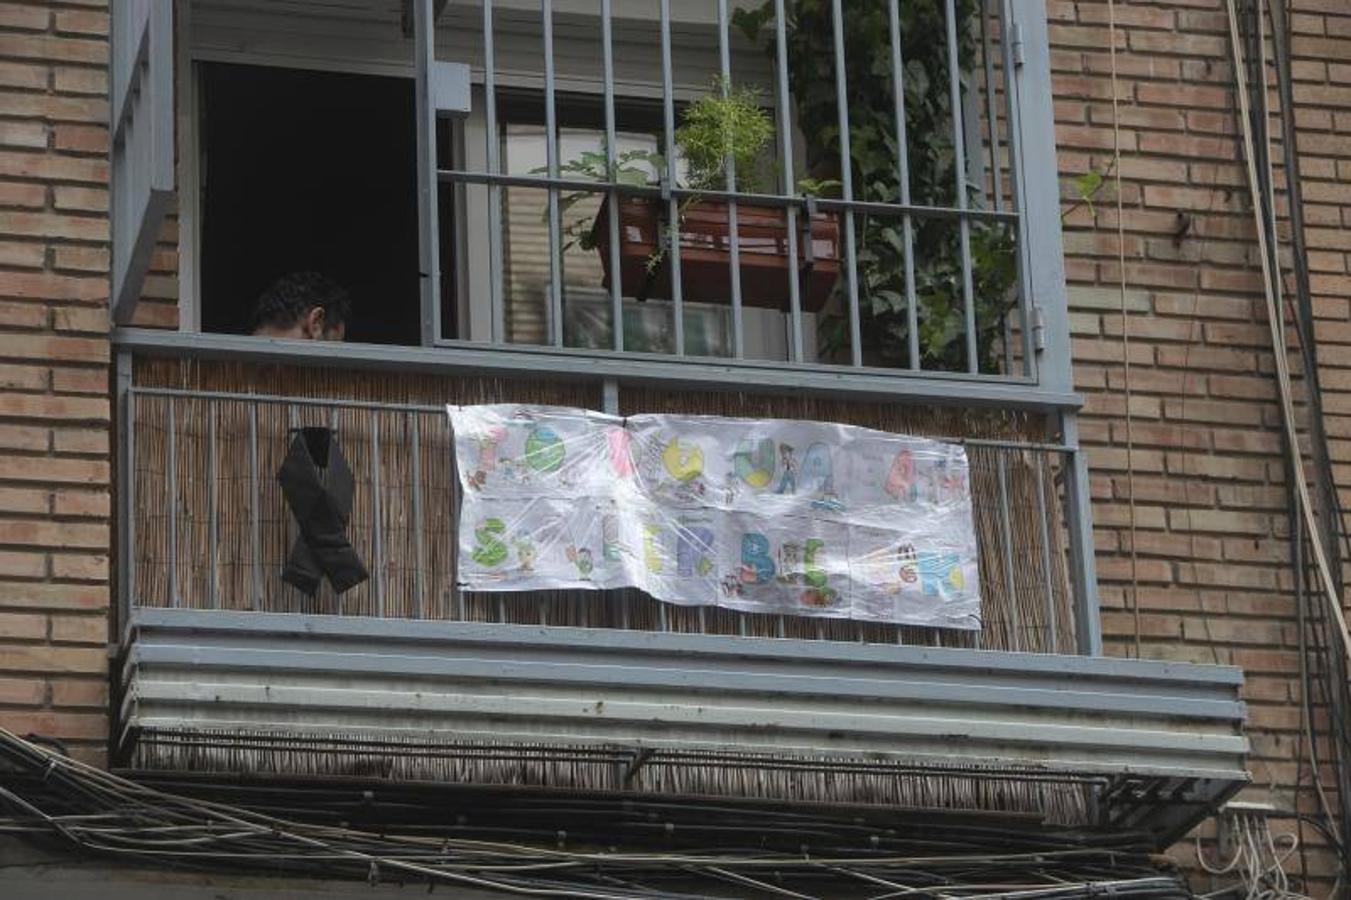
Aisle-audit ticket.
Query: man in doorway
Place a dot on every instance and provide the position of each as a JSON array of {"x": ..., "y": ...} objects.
[{"x": 302, "y": 306}]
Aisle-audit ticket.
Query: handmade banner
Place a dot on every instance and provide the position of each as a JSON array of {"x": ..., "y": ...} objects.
[{"x": 759, "y": 515}]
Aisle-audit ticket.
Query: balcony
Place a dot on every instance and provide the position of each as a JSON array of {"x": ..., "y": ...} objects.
[
  {"x": 921, "y": 294},
  {"x": 225, "y": 665}
]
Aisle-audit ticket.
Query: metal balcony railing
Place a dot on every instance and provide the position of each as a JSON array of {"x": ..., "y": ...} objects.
[
  {"x": 934, "y": 121},
  {"x": 209, "y": 529},
  {"x": 900, "y": 200}
]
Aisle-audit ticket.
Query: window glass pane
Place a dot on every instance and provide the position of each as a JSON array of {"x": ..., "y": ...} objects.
[{"x": 648, "y": 325}]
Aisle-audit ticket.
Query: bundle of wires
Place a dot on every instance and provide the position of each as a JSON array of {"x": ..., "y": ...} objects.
[
  {"x": 47, "y": 796},
  {"x": 1323, "y": 642},
  {"x": 1257, "y": 860}
]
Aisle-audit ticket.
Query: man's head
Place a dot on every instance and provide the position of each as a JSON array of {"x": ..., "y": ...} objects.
[{"x": 302, "y": 305}]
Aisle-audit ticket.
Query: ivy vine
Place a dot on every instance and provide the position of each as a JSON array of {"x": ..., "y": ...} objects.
[{"x": 879, "y": 240}]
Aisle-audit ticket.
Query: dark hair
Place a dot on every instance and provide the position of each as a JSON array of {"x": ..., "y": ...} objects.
[{"x": 290, "y": 297}]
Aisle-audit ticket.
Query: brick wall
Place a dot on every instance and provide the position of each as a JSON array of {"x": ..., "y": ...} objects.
[
  {"x": 1213, "y": 571},
  {"x": 54, "y": 407},
  {"x": 1213, "y": 574}
]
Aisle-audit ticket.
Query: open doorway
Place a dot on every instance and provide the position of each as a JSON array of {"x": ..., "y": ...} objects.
[{"x": 304, "y": 170}]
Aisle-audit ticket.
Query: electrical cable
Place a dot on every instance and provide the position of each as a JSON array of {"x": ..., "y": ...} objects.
[
  {"x": 1323, "y": 536},
  {"x": 1125, "y": 325},
  {"x": 1332, "y": 670},
  {"x": 1276, "y": 325},
  {"x": 43, "y": 794}
]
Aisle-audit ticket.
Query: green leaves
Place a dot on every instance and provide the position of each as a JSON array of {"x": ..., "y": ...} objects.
[
  {"x": 726, "y": 124},
  {"x": 1087, "y": 186},
  {"x": 880, "y": 241}
]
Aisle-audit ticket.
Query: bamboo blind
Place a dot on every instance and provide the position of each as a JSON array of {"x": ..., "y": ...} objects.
[{"x": 182, "y": 559}]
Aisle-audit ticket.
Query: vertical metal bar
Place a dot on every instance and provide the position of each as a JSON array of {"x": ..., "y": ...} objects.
[
  {"x": 126, "y": 495},
  {"x": 609, "y": 393},
  {"x": 789, "y": 187},
  {"x": 847, "y": 185},
  {"x": 1078, "y": 516},
  {"x": 377, "y": 548},
  {"x": 293, "y": 533},
  {"x": 429, "y": 244},
  {"x": 499, "y": 327},
  {"x": 212, "y": 549},
  {"x": 1052, "y": 634},
  {"x": 991, "y": 107},
  {"x": 333, "y": 427},
  {"x": 1006, "y": 533},
  {"x": 419, "y": 583},
  {"x": 616, "y": 301},
  {"x": 959, "y": 176},
  {"x": 1013, "y": 116},
  {"x": 171, "y": 489},
  {"x": 903, "y": 177},
  {"x": 733, "y": 232},
  {"x": 551, "y": 158},
  {"x": 672, "y": 205},
  {"x": 255, "y": 514}
]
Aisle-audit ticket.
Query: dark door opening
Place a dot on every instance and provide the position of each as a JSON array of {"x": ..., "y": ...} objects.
[{"x": 316, "y": 171}]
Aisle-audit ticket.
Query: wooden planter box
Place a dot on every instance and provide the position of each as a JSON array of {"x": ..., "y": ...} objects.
[{"x": 705, "y": 253}]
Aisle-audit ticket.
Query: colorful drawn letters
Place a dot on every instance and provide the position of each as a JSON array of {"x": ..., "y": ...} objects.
[{"x": 784, "y": 517}]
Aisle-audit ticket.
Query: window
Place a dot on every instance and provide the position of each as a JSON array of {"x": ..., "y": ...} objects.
[
  {"x": 309, "y": 170},
  {"x": 648, "y": 322}
]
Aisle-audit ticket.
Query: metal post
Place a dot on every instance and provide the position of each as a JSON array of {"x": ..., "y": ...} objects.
[
  {"x": 1032, "y": 144},
  {"x": 1015, "y": 128},
  {"x": 1083, "y": 571},
  {"x": 171, "y": 489},
  {"x": 991, "y": 107},
  {"x": 903, "y": 175},
  {"x": 611, "y": 168},
  {"x": 1006, "y": 533},
  {"x": 498, "y": 303},
  {"x": 255, "y": 514},
  {"x": 126, "y": 494},
  {"x": 789, "y": 186},
  {"x": 551, "y": 158},
  {"x": 419, "y": 584},
  {"x": 733, "y": 235},
  {"x": 847, "y": 185},
  {"x": 377, "y": 560},
  {"x": 1053, "y": 636},
  {"x": 429, "y": 245},
  {"x": 669, "y": 180},
  {"x": 959, "y": 174},
  {"x": 212, "y": 548}
]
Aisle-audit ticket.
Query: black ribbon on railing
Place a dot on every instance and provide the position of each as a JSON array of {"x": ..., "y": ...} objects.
[{"x": 318, "y": 485}]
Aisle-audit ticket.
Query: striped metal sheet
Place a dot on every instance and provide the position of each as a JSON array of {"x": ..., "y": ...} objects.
[{"x": 1163, "y": 739}]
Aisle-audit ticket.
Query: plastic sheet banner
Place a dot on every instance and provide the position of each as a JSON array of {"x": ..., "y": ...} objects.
[{"x": 757, "y": 515}]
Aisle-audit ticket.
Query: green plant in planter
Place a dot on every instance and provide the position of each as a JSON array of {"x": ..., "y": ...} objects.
[
  {"x": 879, "y": 241},
  {"x": 592, "y": 165},
  {"x": 726, "y": 124}
]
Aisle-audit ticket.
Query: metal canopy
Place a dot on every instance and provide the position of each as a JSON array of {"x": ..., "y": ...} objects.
[{"x": 1159, "y": 743}]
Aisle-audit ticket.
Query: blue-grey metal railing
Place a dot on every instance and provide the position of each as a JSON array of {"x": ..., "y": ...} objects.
[
  {"x": 207, "y": 527},
  {"x": 1004, "y": 45}
]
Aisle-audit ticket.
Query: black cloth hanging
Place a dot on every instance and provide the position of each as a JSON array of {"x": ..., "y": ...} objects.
[{"x": 318, "y": 484}]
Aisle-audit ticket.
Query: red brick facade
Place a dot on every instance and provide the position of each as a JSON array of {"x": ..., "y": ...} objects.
[
  {"x": 1213, "y": 554},
  {"x": 1211, "y": 506},
  {"x": 54, "y": 406}
]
